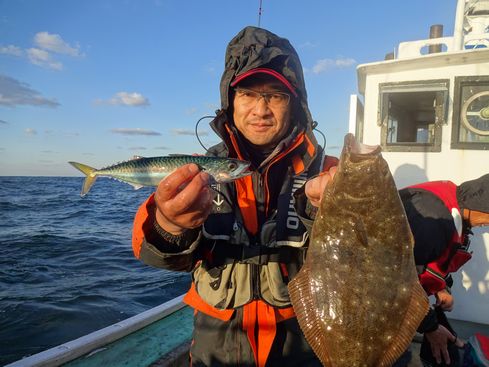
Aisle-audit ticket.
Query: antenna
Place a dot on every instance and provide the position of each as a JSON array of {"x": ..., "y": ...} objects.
[{"x": 259, "y": 14}]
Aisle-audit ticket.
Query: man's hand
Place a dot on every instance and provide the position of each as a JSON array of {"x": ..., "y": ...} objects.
[
  {"x": 444, "y": 300},
  {"x": 315, "y": 187},
  {"x": 439, "y": 340},
  {"x": 183, "y": 199}
]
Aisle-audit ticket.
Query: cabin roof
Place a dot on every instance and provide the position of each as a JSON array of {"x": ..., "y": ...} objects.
[{"x": 429, "y": 61}]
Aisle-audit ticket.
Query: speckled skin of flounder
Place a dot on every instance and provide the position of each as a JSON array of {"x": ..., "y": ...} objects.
[{"x": 357, "y": 297}]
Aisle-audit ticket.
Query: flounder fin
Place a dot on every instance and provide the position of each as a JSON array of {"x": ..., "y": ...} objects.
[
  {"x": 304, "y": 306},
  {"x": 416, "y": 311}
]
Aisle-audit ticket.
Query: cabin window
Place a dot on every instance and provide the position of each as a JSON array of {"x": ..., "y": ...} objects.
[
  {"x": 471, "y": 113},
  {"x": 411, "y": 115}
]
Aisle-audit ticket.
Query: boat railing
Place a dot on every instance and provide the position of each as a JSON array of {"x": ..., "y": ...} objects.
[
  {"x": 419, "y": 48},
  {"x": 94, "y": 341},
  {"x": 415, "y": 48},
  {"x": 471, "y": 31}
]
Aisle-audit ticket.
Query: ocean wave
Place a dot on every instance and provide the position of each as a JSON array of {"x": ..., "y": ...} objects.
[{"x": 67, "y": 266}]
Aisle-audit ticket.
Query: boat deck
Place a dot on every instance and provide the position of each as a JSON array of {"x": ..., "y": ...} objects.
[
  {"x": 465, "y": 329},
  {"x": 167, "y": 337},
  {"x": 164, "y": 342}
]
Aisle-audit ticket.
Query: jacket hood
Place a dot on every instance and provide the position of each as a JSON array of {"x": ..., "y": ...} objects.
[{"x": 255, "y": 48}]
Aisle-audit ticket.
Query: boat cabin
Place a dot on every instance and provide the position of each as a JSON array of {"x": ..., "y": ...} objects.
[{"x": 427, "y": 105}]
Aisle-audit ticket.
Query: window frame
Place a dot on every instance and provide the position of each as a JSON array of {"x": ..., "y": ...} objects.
[
  {"x": 459, "y": 83},
  {"x": 440, "y": 87}
]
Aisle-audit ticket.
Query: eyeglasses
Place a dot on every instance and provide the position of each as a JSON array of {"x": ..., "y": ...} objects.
[{"x": 250, "y": 97}]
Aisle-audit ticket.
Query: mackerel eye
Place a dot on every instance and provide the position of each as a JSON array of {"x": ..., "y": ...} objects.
[{"x": 232, "y": 166}]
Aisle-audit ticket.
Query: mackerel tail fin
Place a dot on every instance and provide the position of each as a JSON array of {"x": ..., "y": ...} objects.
[{"x": 87, "y": 171}]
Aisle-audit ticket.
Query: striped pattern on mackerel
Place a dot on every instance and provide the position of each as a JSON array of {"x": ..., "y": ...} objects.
[{"x": 149, "y": 171}]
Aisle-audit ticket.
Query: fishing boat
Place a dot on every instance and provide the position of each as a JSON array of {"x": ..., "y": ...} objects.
[
  {"x": 158, "y": 337},
  {"x": 427, "y": 105}
]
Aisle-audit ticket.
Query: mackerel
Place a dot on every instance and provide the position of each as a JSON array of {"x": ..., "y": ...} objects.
[{"x": 149, "y": 171}]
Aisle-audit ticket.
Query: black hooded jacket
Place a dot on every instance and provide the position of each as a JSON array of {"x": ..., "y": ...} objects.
[
  {"x": 254, "y": 48},
  {"x": 239, "y": 242},
  {"x": 253, "y": 241},
  {"x": 258, "y": 48}
]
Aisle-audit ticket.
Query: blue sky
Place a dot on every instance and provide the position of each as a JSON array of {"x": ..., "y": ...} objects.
[{"x": 99, "y": 81}]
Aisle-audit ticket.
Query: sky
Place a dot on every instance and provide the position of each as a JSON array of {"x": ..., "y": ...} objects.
[{"x": 101, "y": 81}]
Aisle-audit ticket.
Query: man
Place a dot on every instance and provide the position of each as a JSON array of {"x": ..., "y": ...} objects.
[
  {"x": 244, "y": 248},
  {"x": 441, "y": 216}
]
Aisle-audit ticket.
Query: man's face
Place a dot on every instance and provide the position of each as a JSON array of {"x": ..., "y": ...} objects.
[{"x": 262, "y": 123}]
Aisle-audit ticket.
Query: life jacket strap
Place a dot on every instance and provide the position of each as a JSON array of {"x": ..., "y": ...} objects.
[
  {"x": 224, "y": 253},
  {"x": 193, "y": 299},
  {"x": 260, "y": 324}
]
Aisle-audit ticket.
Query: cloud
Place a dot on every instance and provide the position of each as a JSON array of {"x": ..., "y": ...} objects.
[
  {"x": 11, "y": 50},
  {"x": 30, "y": 131},
  {"x": 3, "y": 122},
  {"x": 325, "y": 65},
  {"x": 308, "y": 45},
  {"x": 137, "y": 148},
  {"x": 161, "y": 148},
  {"x": 188, "y": 132},
  {"x": 45, "y": 46},
  {"x": 126, "y": 99},
  {"x": 137, "y": 131},
  {"x": 344, "y": 63},
  {"x": 43, "y": 58},
  {"x": 72, "y": 134},
  {"x": 14, "y": 93},
  {"x": 54, "y": 43}
]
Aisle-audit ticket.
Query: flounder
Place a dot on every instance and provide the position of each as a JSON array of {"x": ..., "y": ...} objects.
[{"x": 357, "y": 297}]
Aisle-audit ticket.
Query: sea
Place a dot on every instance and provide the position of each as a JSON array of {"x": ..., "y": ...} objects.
[{"x": 66, "y": 262}]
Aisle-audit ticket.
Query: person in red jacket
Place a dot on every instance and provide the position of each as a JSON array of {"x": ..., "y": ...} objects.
[
  {"x": 243, "y": 248},
  {"x": 441, "y": 215}
]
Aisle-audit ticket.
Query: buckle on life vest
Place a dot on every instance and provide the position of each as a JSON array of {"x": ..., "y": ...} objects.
[
  {"x": 432, "y": 281},
  {"x": 224, "y": 253}
]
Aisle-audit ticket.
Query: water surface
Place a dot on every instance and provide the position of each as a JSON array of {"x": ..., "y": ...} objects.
[{"x": 66, "y": 263}]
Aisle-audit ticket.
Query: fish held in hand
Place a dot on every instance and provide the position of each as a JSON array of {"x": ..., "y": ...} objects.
[
  {"x": 149, "y": 171},
  {"x": 357, "y": 298}
]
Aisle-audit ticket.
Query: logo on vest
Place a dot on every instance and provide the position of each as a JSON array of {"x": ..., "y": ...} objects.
[
  {"x": 218, "y": 199},
  {"x": 293, "y": 220}
]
